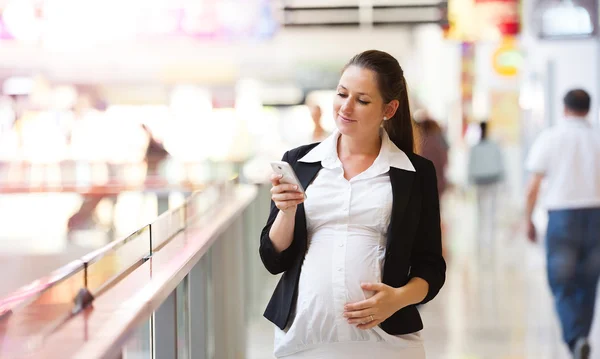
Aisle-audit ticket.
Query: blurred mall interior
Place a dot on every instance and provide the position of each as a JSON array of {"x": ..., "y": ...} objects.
[{"x": 136, "y": 136}]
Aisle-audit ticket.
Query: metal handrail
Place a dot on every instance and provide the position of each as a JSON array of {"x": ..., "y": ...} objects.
[
  {"x": 30, "y": 292},
  {"x": 35, "y": 289}
]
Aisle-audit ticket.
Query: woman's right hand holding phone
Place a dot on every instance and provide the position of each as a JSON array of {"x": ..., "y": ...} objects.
[{"x": 286, "y": 196}]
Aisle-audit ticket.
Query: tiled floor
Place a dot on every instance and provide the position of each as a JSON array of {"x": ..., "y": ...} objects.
[{"x": 496, "y": 306}]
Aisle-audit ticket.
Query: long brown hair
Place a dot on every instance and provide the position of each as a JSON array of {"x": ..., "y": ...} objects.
[{"x": 392, "y": 85}]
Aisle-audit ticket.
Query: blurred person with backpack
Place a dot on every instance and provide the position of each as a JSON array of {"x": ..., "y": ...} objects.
[{"x": 486, "y": 172}]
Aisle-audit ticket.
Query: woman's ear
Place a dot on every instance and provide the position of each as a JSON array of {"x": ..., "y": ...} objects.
[{"x": 391, "y": 108}]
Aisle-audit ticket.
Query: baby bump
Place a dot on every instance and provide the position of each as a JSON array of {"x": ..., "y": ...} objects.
[{"x": 337, "y": 269}]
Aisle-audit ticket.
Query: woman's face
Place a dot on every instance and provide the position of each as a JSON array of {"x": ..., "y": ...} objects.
[{"x": 358, "y": 107}]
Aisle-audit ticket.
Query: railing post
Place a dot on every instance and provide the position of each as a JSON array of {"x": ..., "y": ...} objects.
[
  {"x": 228, "y": 281},
  {"x": 184, "y": 338},
  {"x": 165, "y": 329},
  {"x": 201, "y": 330},
  {"x": 238, "y": 297}
]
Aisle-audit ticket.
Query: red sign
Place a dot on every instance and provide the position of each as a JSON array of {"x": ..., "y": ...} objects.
[{"x": 503, "y": 14}]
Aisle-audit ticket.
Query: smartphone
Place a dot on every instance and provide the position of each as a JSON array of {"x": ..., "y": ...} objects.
[{"x": 289, "y": 175}]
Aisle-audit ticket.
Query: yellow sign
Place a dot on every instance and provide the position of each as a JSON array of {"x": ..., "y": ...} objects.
[{"x": 507, "y": 59}]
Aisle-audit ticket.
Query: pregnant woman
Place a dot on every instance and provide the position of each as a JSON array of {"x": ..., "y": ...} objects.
[{"x": 364, "y": 247}]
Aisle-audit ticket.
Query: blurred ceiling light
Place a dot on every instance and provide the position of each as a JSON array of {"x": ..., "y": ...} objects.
[
  {"x": 235, "y": 15},
  {"x": 565, "y": 19},
  {"x": 527, "y": 93},
  {"x": 249, "y": 104},
  {"x": 197, "y": 18},
  {"x": 247, "y": 95},
  {"x": 532, "y": 94},
  {"x": 17, "y": 85},
  {"x": 156, "y": 17},
  {"x": 190, "y": 102},
  {"x": 20, "y": 19},
  {"x": 95, "y": 22}
]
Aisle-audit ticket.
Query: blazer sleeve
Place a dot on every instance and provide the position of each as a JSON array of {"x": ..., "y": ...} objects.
[
  {"x": 427, "y": 261},
  {"x": 276, "y": 262}
]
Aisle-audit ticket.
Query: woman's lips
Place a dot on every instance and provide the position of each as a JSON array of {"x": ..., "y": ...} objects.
[{"x": 345, "y": 119}]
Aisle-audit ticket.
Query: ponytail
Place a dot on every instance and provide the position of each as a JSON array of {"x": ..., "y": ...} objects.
[{"x": 399, "y": 127}]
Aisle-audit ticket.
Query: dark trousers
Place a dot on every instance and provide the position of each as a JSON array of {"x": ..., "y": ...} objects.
[{"x": 573, "y": 264}]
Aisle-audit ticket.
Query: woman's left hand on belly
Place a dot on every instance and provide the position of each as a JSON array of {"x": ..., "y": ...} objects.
[{"x": 371, "y": 312}]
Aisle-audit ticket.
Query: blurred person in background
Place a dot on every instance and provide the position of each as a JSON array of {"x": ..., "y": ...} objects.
[
  {"x": 155, "y": 153},
  {"x": 486, "y": 172},
  {"x": 154, "y": 156},
  {"x": 87, "y": 146},
  {"x": 567, "y": 158},
  {"x": 319, "y": 133},
  {"x": 371, "y": 213},
  {"x": 432, "y": 145}
]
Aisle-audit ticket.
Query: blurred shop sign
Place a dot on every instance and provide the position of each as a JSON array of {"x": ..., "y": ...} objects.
[
  {"x": 507, "y": 58},
  {"x": 75, "y": 22},
  {"x": 474, "y": 20},
  {"x": 302, "y": 13},
  {"x": 565, "y": 19},
  {"x": 502, "y": 14}
]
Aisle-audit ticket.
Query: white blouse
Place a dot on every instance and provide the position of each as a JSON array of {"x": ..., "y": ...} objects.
[{"x": 347, "y": 224}]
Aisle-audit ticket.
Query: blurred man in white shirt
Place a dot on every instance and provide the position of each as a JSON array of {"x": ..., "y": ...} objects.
[{"x": 567, "y": 158}]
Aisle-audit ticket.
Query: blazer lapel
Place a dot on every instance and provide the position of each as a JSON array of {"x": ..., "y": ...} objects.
[
  {"x": 402, "y": 182},
  {"x": 306, "y": 173}
]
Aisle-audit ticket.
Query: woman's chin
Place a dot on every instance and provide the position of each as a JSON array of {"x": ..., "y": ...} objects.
[{"x": 347, "y": 129}]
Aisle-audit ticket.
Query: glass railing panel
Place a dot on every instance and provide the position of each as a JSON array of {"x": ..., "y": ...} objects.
[
  {"x": 166, "y": 226},
  {"x": 201, "y": 203},
  {"x": 108, "y": 263}
]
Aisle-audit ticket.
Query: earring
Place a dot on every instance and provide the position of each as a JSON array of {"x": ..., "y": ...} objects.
[{"x": 385, "y": 118}]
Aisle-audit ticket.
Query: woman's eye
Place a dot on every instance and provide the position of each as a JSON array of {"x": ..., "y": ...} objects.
[
  {"x": 363, "y": 102},
  {"x": 342, "y": 95}
]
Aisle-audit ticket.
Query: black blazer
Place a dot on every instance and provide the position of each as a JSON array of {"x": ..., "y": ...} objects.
[{"x": 413, "y": 249}]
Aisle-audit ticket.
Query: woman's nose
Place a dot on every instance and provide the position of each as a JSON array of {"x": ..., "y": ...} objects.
[{"x": 346, "y": 106}]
